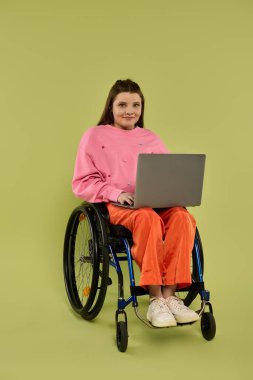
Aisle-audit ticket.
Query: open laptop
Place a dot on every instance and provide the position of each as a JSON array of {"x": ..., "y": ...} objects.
[{"x": 168, "y": 180}]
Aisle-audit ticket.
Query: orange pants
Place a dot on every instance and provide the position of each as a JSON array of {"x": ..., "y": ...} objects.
[{"x": 162, "y": 242}]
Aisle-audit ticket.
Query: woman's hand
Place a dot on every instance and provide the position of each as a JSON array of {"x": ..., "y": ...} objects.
[{"x": 126, "y": 198}]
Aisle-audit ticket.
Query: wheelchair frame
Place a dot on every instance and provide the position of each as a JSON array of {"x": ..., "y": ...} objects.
[{"x": 107, "y": 245}]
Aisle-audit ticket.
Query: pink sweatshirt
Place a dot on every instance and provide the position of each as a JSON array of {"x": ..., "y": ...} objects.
[{"x": 106, "y": 161}]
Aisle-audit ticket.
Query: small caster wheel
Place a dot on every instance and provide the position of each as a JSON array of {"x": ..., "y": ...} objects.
[
  {"x": 208, "y": 326},
  {"x": 121, "y": 336}
]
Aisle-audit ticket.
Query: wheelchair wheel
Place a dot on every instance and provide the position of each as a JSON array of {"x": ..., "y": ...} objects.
[
  {"x": 189, "y": 297},
  {"x": 121, "y": 336},
  {"x": 208, "y": 326},
  {"x": 85, "y": 263}
]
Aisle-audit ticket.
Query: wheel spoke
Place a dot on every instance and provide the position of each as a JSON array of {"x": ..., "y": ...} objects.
[{"x": 84, "y": 268}]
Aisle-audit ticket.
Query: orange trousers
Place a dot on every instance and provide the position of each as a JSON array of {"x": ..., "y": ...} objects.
[{"x": 162, "y": 242}]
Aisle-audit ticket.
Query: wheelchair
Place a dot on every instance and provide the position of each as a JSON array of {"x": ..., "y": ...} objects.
[{"x": 92, "y": 245}]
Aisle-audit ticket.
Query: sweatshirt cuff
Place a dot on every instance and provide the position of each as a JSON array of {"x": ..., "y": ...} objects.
[{"x": 114, "y": 194}]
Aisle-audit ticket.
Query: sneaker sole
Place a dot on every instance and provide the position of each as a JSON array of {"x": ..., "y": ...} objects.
[
  {"x": 188, "y": 319},
  {"x": 163, "y": 323}
]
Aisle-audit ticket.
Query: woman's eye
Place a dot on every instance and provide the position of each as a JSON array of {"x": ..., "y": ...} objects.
[{"x": 136, "y": 105}]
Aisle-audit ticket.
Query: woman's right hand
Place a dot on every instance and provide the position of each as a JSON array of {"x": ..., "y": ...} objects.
[{"x": 126, "y": 198}]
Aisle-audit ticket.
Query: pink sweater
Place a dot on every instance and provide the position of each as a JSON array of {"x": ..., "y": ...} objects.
[{"x": 106, "y": 161}]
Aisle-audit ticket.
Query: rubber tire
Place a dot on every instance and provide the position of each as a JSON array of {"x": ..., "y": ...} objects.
[
  {"x": 99, "y": 260},
  {"x": 208, "y": 326},
  {"x": 121, "y": 336}
]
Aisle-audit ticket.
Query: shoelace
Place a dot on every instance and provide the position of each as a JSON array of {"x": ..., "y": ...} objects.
[
  {"x": 178, "y": 304},
  {"x": 160, "y": 304}
]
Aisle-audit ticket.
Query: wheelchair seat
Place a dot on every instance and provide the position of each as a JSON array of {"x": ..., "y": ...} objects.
[{"x": 92, "y": 245}]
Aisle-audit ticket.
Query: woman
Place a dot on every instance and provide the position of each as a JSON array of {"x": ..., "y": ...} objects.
[{"x": 105, "y": 171}]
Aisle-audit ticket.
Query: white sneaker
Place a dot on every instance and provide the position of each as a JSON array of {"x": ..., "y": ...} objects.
[
  {"x": 159, "y": 314},
  {"x": 181, "y": 312}
]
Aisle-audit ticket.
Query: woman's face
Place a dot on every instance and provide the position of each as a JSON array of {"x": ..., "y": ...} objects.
[{"x": 126, "y": 110}]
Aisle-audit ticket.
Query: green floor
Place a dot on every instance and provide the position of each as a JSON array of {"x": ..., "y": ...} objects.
[{"x": 42, "y": 337}]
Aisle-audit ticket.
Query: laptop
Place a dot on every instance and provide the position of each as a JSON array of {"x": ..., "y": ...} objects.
[{"x": 168, "y": 180}]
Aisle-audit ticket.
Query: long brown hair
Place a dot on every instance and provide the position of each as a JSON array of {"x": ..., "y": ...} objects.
[{"x": 121, "y": 86}]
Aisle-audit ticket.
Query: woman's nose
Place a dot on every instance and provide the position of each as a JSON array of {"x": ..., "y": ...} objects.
[{"x": 129, "y": 111}]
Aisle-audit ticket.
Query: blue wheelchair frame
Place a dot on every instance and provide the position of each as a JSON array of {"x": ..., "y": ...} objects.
[
  {"x": 137, "y": 290},
  {"x": 108, "y": 245}
]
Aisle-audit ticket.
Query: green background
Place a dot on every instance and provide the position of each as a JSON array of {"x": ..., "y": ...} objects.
[{"x": 58, "y": 59}]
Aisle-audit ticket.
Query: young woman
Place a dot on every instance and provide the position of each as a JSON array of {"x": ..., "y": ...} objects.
[{"x": 105, "y": 171}]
